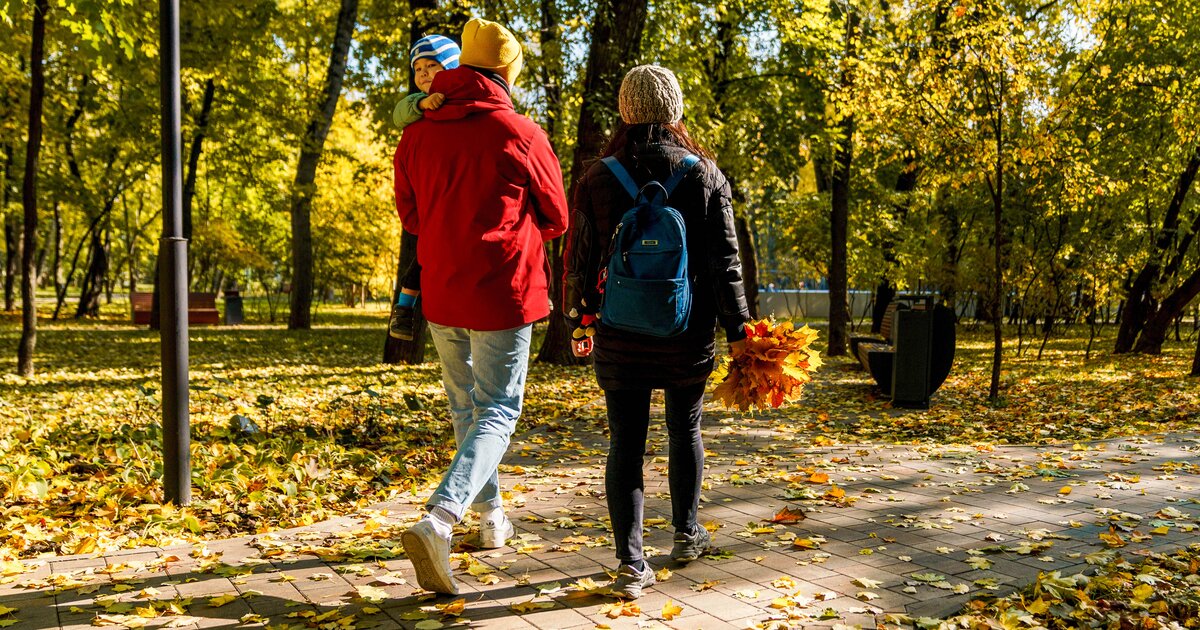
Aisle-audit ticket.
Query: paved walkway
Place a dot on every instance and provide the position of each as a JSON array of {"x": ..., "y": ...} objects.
[{"x": 916, "y": 530}]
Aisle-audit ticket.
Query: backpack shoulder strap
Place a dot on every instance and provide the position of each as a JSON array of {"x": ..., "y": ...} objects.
[
  {"x": 622, "y": 176},
  {"x": 689, "y": 162}
]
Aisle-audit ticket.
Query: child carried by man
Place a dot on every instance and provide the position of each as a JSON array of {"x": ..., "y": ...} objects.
[{"x": 429, "y": 56}]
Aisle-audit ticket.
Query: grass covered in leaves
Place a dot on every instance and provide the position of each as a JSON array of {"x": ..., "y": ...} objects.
[
  {"x": 1156, "y": 591},
  {"x": 1062, "y": 396},
  {"x": 80, "y": 444}
]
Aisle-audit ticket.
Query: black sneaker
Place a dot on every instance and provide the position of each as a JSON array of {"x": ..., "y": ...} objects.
[
  {"x": 402, "y": 323},
  {"x": 688, "y": 547},
  {"x": 630, "y": 581}
]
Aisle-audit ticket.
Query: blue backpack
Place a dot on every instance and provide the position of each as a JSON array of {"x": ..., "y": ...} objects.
[{"x": 645, "y": 284}]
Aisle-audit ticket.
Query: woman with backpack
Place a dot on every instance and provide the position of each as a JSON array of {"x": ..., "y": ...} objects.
[{"x": 627, "y": 285}]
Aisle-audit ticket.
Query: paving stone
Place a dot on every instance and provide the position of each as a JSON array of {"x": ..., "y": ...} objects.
[
  {"x": 206, "y": 587},
  {"x": 722, "y": 604},
  {"x": 937, "y": 607},
  {"x": 930, "y": 504}
]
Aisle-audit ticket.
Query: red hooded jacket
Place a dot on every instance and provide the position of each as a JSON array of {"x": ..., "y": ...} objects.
[{"x": 481, "y": 186}]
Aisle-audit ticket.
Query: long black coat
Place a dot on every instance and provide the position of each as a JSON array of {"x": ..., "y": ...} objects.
[{"x": 625, "y": 360}]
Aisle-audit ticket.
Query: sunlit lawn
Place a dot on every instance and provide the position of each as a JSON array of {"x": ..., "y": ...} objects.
[{"x": 80, "y": 443}]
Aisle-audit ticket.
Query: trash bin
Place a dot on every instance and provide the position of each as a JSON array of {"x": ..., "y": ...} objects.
[
  {"x": 233, "y": 307},
  {"x": 912, "y": 340}
]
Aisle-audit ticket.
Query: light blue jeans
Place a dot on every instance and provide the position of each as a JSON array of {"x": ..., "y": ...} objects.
[{"x": 483, "y": 372}]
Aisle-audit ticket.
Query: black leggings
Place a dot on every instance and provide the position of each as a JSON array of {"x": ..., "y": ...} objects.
[{"x": 628, "y": 422}]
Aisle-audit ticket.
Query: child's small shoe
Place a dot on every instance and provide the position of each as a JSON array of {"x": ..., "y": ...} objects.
[{"x": 402, "y": 323}]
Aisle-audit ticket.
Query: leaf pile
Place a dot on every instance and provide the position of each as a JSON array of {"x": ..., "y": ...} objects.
[
  {"x": 1159, "y": 591},
  {"x": 771, "y": 369}
]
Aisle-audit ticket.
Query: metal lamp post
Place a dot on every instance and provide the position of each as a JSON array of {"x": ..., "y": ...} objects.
[{"x": 177, "y": 464}]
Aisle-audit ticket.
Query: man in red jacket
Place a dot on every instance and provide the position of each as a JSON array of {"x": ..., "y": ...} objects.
[{"x": 481, "y": 186}]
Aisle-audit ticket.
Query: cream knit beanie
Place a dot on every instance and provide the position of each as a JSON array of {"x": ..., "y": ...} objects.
[{"x": 650, "y": 94}]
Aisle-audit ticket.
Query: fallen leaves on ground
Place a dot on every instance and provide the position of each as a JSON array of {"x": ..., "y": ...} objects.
[
  {"x": 1155, "y": 591},
  {"x": 286, "y": 431}
]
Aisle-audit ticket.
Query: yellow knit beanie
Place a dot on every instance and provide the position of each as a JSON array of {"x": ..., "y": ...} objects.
[{"x": 489, "y": 46}]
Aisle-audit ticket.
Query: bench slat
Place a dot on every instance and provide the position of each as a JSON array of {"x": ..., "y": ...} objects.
[{"x": 202, "y": 308}]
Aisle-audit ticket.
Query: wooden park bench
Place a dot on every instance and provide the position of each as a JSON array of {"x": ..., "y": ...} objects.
[
  {"x": 877, "y": 355},
  {"x": 202, "y": 308}
]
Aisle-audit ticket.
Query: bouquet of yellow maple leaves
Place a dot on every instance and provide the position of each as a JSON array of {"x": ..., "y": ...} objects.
[{"x": 773, "y": 367}]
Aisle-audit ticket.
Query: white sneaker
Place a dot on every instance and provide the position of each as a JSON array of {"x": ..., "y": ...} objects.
[
  {"x": 630, "y": 581},
  {"x": 493, "y": 534},
  {"x": 430, "y": 556}
]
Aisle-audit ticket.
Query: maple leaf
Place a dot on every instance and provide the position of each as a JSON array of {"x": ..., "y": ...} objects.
[
  {"x": 455, "y": 607},
  {"x": 615, "y": 610},
  {"x": 1038, "y": 606},
  {"x": 928, "y": 577},
  {"x": 530, "y": 606},
  {"x": 783, "y": 583},
  {"x": 221, "y": 600},
  {"x": 670, "y": 610},
  {"x": 1112, "y": 538},
  {"x": 371, "y": 594},
  {"x": 978, "y": 563}
]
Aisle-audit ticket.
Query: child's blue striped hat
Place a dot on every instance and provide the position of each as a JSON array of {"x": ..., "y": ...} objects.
[{"x": 438, "y": 48}]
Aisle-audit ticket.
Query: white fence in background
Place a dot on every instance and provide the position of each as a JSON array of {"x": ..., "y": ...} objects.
[
  {"x": 808, "y": 304},
  {"x": 814, "y": 304}
]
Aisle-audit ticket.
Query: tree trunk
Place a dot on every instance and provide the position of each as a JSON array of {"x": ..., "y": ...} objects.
[
  {"x": 839, "y": 303},
  {"x": 12, "y": 258},
  {"x": 616, "y": 43},
  {"x": 885, "y": 292},
  {"x": 89, "y": 295},
  {"x": 1159, "y": 323},
  {"x": 11, "y": 232},
  {"x": 58, "y": 250},
  {"x": 108, "y": 281},
  {"x": 556, "y": 344},
  {"x": 188, "y": 193},
  {"x": 745, "y": 237},
  {"x": 411, "y": 352},
  {"x": 37, "y": 92},
  {"x": 312, "y": 145},
  {"x": 839, "y": 214},
  {"x": 93, "y": 228},
  {"x": 130, "y": 252},
  {"x": 552, "y": 71},
  {"x": 719, "y": 73},
  {"x": 997, "y": 238},
  {"x": 1196, "y": 359},
  {"x": 193, "y": 163},
  {"x": 1139, "y": 301}
]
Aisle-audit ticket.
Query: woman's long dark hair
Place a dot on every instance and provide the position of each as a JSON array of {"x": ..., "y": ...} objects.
[{"x": 674, "y": 133}]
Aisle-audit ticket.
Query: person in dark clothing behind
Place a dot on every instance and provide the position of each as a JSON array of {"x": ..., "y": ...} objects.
[{"x": 651, "y": 144}]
